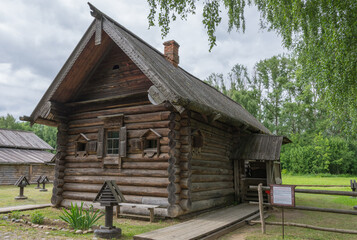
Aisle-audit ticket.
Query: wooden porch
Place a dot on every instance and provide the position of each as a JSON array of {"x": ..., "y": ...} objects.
[{"x": 203, "y": 226}]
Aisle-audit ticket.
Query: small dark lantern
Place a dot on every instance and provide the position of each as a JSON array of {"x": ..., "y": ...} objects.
[
  {"x": 43, "y": 181},
  {"x": 109, "y": 196},
  {"x": 21, "y": 183},
  {"x": 38, "y": 182}
]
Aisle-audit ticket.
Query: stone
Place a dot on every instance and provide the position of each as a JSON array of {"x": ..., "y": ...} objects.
[
  {"x": 90, "y": 231},
  {"x": 108, "y": 233},
  {"x": 71, "y": 231},
  {"x": 85, "y": 232},
  {"x": 79, "y": 232},
  {"x": 5, "y": 218},
  {"x": 47, "y": 233}
]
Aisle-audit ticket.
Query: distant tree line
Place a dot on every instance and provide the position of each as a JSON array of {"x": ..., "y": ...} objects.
[
  {"x": 48, "y": 134},
  {"x": 280, "y": 95}
]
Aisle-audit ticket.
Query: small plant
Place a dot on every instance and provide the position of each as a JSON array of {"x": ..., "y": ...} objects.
[
  {"x": 79, "y": 218},
  {"x": 37, "y": 217},
  {"x": 16, "y": 214}
]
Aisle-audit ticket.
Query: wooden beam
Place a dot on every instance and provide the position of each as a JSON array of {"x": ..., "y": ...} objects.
[{"x": 100, "y": 100}]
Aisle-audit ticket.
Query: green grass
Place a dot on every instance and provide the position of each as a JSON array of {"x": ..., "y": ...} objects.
[
  {"x": 129, "y": 227},
  {"x": 330, "y": 220},
  {"x": 34, "y": 196},
  {"x": 8, "y": 193}
]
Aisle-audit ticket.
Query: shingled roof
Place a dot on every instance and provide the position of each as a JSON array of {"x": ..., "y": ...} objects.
[
  {"x": 23, "y": 147},
  {"x": 22, "y": 140},
  {"x": 181, "y": 89}
]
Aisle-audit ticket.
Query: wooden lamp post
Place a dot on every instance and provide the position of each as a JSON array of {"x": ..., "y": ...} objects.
[
  {"x": 43, "y": 181},
  {"x": 21, "y": 182},
  {"x": 38, "y": 182},
  {"x": 109, "y": 196}
]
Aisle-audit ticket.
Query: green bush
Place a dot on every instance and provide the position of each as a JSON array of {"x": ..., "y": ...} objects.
[
  {"x": 37, "y": 218},
  {"x": 80, "y": 218},
  {"x": 319, "y": 154},
  {"x": 16, "y": 214}
]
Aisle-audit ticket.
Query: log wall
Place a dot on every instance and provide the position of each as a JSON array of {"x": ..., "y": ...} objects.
[
  {"x": 10, "y": 173},
  {"x": 212, "y": 182}
]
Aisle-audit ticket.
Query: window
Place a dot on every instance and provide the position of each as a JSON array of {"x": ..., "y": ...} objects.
[
  {"x": 150, "y": 143},
  {"x": 81, "y": 146},
  {"x": 112, "y": 140},
  {"x": 112, "y": 143}
]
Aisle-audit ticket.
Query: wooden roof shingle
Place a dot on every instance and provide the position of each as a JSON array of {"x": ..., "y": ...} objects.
[
  {"x": 22, "y": 139},
  {"x": 181, "y": 89}
]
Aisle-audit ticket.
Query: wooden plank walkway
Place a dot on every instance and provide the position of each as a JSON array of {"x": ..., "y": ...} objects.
[
  {"x": 23, "y": 207},
  {"x": 202, "y": 225}
]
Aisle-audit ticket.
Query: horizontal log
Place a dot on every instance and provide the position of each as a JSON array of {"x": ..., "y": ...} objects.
[
  {"x": 134, "y": 181},
  {"x": 116, "y": 172},
  {"x": 205, "y": 186},
  {"x": 90, "y": 158},
  {"x": 313, "y": 191},
  {"x": 215, "y": 164},
  {"x": 335, "y": 230},
  {"x": 185, "y": 204},
  {"x": 211, "y": 178},
  {"x": 197, "y": 196},
  {"x": 174, "y": 210},
  {"x": 147, "y": 117},
  {"x": 211, "y": 157},
  {"x": 185, "y": 183},
  {"x": 126, "y": 190},
  {"x": 210, "y": 171},
  {"x": 148, "y": 108},
  {"x": 210, "y": 203}
]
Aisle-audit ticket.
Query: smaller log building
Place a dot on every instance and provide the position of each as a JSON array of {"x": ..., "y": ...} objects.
[
  {"x": 127, "y": 112},
  {"x": 23, "y": 153}
]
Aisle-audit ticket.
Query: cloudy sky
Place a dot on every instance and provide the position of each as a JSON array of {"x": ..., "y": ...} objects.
[{"x": 37, "y": 36}]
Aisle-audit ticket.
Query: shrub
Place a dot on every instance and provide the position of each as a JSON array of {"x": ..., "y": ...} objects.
[
  {"x": 16, "y": 214},
  {"x": 80, "y": 218},
  {"x": 37, "y": 218}
]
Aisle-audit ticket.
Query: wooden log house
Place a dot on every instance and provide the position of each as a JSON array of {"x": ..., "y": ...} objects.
[
  {"x": 22, "y": 153},
  {"x": 128, "y": 113}
]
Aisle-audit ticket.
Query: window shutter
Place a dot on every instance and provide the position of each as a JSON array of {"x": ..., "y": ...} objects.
[
  {"x": 100, "y": 144},
  {"x": 122, "y": 144}
]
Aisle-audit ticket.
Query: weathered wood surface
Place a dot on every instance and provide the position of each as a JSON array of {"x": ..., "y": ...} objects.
[{"x": 202, "y": 225}]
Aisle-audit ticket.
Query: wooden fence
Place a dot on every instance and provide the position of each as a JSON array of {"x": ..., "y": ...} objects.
[{"x": 260, "y": 190}]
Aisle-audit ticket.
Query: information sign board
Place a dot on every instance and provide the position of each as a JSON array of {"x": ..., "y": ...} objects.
[{"x": 282, "y": 195}]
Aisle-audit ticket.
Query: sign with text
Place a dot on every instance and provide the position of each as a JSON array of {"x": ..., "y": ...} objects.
[{"x": 282, "y": 195}]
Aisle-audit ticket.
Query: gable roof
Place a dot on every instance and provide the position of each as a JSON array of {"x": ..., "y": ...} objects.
[
  {"x": 181, "y": 89},
  {"x": 22, "y": 140}
]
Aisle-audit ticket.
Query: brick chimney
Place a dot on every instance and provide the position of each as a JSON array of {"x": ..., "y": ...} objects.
[{"x": 171, "y": 52}]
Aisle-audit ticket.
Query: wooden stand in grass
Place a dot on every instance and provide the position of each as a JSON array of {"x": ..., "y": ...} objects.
[
  {"x": 21, "y": 182},
  {"x": 38, "y": 182},
  {"x": 109, "y": 196},
  {"x": 43, "y": 181}
]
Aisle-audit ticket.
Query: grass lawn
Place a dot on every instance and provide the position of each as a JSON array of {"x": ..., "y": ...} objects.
[
  {"x": 8, "y": 193},
  {"x": 307, "y": 217},
  {"x": 34, "y": 196}
]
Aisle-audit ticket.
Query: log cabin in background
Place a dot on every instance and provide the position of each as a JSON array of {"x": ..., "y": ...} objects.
[
  {"x": 127, "y": 112},
  {"x": 23, "y": 153}
]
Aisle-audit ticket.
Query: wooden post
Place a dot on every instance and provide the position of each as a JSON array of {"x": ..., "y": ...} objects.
[{"x": 261, "y": 208}]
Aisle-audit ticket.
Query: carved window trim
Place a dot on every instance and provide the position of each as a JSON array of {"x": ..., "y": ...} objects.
[
  {"x": 150, "y": 143},
  {"x": 112, "y": 123},
  {"x": 84, "y": 146}
]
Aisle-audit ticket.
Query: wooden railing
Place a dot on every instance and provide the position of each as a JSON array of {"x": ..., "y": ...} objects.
[{"x": 260, "y": 189}]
